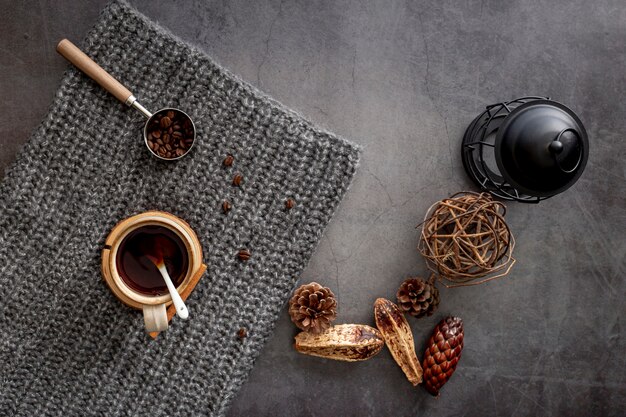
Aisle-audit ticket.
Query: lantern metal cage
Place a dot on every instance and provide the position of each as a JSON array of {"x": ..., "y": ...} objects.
[{"x": 481, "y": 134}]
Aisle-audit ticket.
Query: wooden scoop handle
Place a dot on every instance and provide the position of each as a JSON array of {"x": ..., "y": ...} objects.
[{"x": 77, "y": 57}]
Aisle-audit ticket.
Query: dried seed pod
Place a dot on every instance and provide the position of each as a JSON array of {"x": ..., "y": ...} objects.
[
  {"x": 443, "y": 353},
  {"x": 344, "y": 342},
  {"x": 398, "y": 337}
]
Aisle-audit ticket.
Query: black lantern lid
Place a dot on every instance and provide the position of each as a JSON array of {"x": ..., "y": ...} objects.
[{"x": 541, "y": 148}]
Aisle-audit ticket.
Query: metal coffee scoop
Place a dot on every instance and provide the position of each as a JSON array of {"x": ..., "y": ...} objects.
[{"x": 74, "y": 55}]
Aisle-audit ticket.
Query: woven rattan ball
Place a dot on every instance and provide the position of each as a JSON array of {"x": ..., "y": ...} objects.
[{"x": 466, "y": 241}]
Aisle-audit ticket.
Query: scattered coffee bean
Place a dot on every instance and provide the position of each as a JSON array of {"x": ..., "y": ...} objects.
[
  {"x": 226, "y": 206},
  {"x": 228, "y": 161},
  {"x": 170, "y": 134},
  {"x": 290, "y": 203},
  {"x": 237, "y": 179},
  {"x": 242, "y": 333},
  {"x": 244, "y": 255}
]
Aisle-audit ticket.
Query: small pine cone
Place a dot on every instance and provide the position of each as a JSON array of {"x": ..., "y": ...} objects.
[
  {"x": 442, "y": 354},
  {"x": 417, "y": 297},
  {"x": 313, "y": 307}
]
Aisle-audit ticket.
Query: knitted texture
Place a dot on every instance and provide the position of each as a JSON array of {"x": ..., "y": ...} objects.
[{"x": 67, "y": 345}]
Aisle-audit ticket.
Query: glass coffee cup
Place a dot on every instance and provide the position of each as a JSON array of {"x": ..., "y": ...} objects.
[{"x": 128, "y": 269}]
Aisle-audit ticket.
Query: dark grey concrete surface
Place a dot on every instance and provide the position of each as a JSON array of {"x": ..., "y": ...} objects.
[{"x": 404, "y": 78}]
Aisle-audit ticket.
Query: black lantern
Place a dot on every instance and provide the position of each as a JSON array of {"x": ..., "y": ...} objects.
[{"x": 527, "y": 149}]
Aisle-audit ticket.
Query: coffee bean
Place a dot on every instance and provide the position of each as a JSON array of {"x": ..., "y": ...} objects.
[
  {"x": 170, "y": 134},
  {"x": 166, "y": 122},
  {"x": 244, "y": 255},
  {"x": 242, "y": 333}
]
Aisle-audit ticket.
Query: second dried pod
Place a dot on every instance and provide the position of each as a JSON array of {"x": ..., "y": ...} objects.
[{"x": 398, "y": 337}]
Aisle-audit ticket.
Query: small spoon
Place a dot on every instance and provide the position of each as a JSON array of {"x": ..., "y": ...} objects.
[
  {"x": 156, "y": 256},
  {"x": 181, "y": 308}
]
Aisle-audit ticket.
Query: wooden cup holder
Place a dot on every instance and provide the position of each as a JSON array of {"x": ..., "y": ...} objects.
[{"x": 137, "y": 300}]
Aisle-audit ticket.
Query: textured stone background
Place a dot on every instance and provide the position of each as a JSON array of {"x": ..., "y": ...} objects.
[{"x": 404, "y": 79}]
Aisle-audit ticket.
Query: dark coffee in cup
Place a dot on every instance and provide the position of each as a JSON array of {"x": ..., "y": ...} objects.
[{"x": 136, "y": 255}]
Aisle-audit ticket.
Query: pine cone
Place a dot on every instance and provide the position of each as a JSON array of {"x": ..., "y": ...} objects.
[
  {"x": 418, "y": 297},
  {"x": 442, "y": 354},
  {"x": 313, "y": 307}
]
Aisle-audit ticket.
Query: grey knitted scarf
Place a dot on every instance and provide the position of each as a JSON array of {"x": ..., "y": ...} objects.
[{"x": 67, "y": 345}]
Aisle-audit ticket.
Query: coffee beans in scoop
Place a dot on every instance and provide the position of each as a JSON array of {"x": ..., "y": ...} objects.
[{"x": 170, "y": 133}]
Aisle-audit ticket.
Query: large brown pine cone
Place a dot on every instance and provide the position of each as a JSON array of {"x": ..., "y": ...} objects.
[
  {"x": 418, "y": 297},
  {"x": 313, "y": 307},
  {"x": 442, "y": 354}
]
